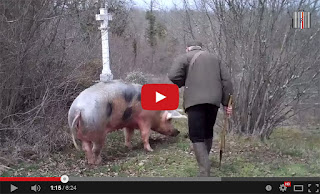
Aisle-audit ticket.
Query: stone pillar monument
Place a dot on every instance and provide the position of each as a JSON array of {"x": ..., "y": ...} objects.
[{"x": 104, "y": 17}]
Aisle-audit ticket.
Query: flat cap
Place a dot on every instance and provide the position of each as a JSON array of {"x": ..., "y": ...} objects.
[{"x": 194, "y": 43}]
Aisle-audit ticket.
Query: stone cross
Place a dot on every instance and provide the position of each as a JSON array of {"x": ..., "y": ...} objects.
[{"x": 104, "y": 17}]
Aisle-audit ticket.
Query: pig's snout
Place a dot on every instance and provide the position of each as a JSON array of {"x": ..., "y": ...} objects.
[{"x": 175, "y": 132}]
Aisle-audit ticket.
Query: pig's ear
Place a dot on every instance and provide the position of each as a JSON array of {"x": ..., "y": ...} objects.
[
  {"x": 174, "y": 114},
  {"x": 169, "y": 116},
  {"x": 164, "y": 116},
  {"x": 179, "y": 110}
]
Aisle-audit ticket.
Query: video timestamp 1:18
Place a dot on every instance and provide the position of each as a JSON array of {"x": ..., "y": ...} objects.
[{"x": 63, "y": 187}]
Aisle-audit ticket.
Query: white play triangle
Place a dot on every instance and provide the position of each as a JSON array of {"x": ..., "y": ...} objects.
[
  {"x": 13, "y": 188},
  {"x": 159, "y": 97}
]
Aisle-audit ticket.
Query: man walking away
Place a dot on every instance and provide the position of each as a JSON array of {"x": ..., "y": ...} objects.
[{"x": 207, "y": 85}]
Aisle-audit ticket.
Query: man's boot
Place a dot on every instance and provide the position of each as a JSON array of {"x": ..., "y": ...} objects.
[
  {"x": 201, "y": 153},
  {"x": 208, "y": 143}
]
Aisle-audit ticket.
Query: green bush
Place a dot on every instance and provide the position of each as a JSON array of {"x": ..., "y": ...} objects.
[{"x": 136, "y": 77}]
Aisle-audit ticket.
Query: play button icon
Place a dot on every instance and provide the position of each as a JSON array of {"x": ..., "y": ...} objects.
[
  {"x": 13, "y": 188},
  {"x": 159, "y": 97}
]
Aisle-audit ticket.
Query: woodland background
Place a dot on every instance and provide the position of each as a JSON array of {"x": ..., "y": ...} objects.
[{"x": 50, "y": 51}]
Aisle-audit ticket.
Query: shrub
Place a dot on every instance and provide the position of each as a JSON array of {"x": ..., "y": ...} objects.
[{"x": 136, "y": 77}]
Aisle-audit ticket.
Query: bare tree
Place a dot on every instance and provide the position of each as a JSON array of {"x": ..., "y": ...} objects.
[
  {"x": 51, "y": 50},
  {"x": 46, "y": 49},
  {"x": 266, "y": 57}
]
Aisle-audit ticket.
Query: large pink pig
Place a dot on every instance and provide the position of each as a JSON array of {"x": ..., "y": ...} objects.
[{"x": 106, "y": 107}]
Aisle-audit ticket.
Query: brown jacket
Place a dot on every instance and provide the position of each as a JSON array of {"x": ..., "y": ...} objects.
[{"x": 208, "y": 82}]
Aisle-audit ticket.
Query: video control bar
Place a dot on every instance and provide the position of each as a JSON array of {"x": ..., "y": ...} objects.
[{"x": 217, "y": 185}]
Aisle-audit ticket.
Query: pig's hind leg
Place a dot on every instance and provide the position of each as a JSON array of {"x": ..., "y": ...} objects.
[
  {"x": 97, "y": 148},
  {"x": 128, "y": 135},
  {"x": 87, "y": 148}
]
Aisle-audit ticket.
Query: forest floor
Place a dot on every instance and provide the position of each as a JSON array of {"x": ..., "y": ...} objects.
[{"x": 290, "y": 152}]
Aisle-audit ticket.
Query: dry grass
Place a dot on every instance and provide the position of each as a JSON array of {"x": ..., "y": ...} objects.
[{"x": 287, "y": 153}]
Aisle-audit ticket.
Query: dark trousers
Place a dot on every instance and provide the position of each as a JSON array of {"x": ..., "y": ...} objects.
[{"x": 201, "y": 119}]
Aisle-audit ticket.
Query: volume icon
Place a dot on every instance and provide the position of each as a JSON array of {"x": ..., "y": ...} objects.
[{"x": 35, "y": 188}]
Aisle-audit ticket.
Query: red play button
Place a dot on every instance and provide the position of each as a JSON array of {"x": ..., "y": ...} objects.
[{"x": 160, "y": 97}]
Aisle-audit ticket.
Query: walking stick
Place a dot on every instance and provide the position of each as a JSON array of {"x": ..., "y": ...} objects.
[{"x": 223, "y": 133}]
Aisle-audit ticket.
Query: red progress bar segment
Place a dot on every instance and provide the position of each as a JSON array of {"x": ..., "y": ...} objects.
[
  {"x": 30, "y": 179},
  {"x": 302, "y": 20}
]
